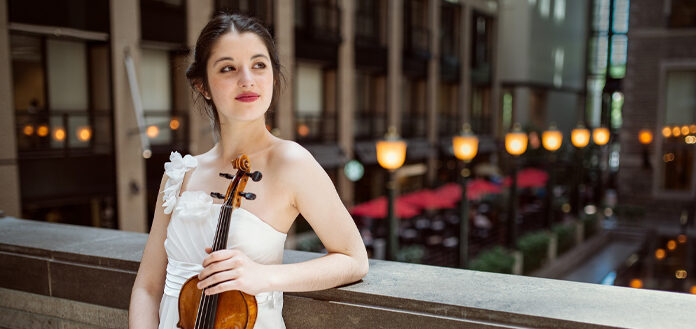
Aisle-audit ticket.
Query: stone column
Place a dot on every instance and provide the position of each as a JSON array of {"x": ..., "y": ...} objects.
[
  {"x": 130, "y": 165},
  {"x": 285, "y": 41},
  {"x": 198, "y": 13},
  {"x": 394, "y": 69},
  {"x": 9, "y": 173},
  {"x": 346, "y": 95},
  {"x": 465, "y": 65},
  {"x": 496, "y": 129},
  {"x": 433, "y": 84},
  {"x": 284, "y": 27}
]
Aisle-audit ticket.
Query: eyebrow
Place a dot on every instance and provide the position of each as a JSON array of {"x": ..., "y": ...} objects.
[{"x": 232, "y": 59}]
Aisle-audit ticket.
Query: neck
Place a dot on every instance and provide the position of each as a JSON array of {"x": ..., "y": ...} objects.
[{"x": 243, "y": 137}]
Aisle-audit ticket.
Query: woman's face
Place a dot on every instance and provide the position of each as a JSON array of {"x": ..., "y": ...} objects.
[{"x": 240, "y": 77}]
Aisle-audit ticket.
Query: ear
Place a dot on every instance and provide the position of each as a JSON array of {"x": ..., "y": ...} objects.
[{"x": 201, "y": 89}]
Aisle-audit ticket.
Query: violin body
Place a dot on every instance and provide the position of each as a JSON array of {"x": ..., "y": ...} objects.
[{"x": 240, "y": 309}]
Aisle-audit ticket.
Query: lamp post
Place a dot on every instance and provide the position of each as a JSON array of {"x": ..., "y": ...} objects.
[
  {"x": 391, "y": 153},
  {"x": 465, "y": 147},
  {"x": 552, "y": 140},
  {"x": 580, "y": 137},
  {"x": 645, "y": 137},
  {"x": 515, "y": 145},
  {"x": 600, "y": 136}
]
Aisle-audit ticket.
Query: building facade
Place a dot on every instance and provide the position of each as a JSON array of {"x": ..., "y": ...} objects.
[
  {"x": 74, "y": 86},
  {"x": 660, "y": 97}
]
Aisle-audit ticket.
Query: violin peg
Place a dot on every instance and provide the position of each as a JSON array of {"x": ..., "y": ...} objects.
[
  {"x": 217, "y": 195},
  {"x": 255, "y": 176},
  {"x": 226, "y": 175},
  {"x": 247, "y": 195}
]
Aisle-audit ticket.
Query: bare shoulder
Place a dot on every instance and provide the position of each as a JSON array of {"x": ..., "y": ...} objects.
[{"x": 292, "y": 156}]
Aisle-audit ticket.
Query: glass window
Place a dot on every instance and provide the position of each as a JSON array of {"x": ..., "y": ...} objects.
[
  {"x": 154, "y": 78},
  {"x": 309, "y": 93},
  {"x": 680, "y": 114},
  {"x": 682, "y": 13}
]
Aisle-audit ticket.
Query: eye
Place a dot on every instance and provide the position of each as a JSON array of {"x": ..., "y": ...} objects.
[
  {"x": 260, "y": 65},
  {"x": 227, "y": 68}
]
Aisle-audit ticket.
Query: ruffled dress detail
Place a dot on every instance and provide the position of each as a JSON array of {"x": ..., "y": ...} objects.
[{"x": 191, "y": 229}]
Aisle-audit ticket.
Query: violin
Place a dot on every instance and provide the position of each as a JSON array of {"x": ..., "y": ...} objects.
[{"x": 229, "y": 309}]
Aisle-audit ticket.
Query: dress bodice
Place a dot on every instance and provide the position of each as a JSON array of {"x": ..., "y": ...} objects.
[{"x": 192, "y": 227}]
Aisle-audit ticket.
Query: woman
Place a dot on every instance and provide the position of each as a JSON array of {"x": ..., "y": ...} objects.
[{"x": 237, "y": 74}]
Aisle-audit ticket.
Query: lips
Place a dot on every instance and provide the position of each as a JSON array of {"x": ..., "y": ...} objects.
[{"x": 247, "y": 97}]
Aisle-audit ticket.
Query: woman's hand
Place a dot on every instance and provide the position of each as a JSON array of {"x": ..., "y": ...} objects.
[{"x": 225, "y": 270}]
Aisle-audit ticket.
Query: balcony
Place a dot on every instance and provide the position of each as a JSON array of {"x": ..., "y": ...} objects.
[{"x": 56, "y": 275}]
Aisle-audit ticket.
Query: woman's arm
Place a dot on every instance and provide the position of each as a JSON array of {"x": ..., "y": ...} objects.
[
  {"x": 149, "y": 283},
  {"x": 315, "y": 196},
  {"x": 317, "y": 200}
]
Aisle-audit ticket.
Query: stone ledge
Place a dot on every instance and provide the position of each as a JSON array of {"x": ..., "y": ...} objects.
[{"x": 392, "y": 295}]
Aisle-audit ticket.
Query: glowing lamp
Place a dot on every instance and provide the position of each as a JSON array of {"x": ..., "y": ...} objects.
[
  {"x": 303, "y": 130},
  {"x": 636, "y": 283},
  {"x": 59, "y": 134},
  {"x": 600, "y": 135},
  {"x": 465, "y": 145},
  {"x": 28, "y": 130},
  {"x": 552, "y": 139},
  {"x": 676, "y": 132},
  {"x": 391, "y": 151},
  {"x": 152, "y": 131},
  {"x": 671, "y": 245},
  {"x": 516, "y": 141},
  {"x": 660, "y": 254},
  {"x": 84, "y": 133},
  {"x": 42, "y": 130},
  {"x": 580, "y": 136},
  {"x": 645, "y": 136},
  {"x": 174, "y": 124},
  {"x": 667, "y": 132}
]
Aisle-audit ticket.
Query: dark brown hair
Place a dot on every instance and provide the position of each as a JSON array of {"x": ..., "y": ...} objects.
[{"x": 224, "y": 22}]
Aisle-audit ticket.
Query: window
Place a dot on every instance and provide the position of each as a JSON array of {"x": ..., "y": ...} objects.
[
  {"x": 677, "y": 154},
  {"x": 62, "y": 94},
  {"x": 682, "y": 14},
  {"x": 315, "y": 95}
]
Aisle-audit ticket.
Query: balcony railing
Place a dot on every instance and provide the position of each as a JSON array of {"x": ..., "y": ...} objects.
[{"x": 72, "y": 276}]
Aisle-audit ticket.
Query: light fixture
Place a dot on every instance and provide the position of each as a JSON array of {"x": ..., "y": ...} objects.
[
  {"x": 516, "y": 140},
  {"x": 391, "y": 151},
  {"x": 580, "y": 136},
  {"x": 84, "y": 133},
  {"x": 465, "y": 145},
  {"x": 600, "y": 135},
  {"x": 552, "y": 138},
  {"x": 645, "y": 136}
]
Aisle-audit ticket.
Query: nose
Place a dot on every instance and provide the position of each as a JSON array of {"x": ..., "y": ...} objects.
[{"x": 246, "y": 80}]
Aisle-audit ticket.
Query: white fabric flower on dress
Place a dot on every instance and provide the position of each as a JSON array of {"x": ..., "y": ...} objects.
[
  {"x": 175, "y": 169},
  {"x": 194, "y": 206}
]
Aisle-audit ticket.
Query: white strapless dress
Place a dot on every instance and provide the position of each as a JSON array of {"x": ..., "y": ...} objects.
[{"x": 192, "y": 228}]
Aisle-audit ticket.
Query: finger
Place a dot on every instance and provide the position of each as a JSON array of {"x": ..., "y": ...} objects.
[
  {"x": 225, "y": 286},
  {"x": 218, "y": 278},
  {"x": 224, "y": 265},
  {"x": 219, "y": 255},
  {"x": 208, "y": 250}
]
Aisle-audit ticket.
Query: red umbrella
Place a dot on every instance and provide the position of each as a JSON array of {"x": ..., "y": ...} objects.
[
  {"x": 474, "y": 190},
  {"x": 427, "y": 199},
  {"x": 529, "y": 177},
  {"x": 377, "y": 208}
]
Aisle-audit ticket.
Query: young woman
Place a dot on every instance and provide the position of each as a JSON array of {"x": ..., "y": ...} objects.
[{"x": 236, "y": 73}]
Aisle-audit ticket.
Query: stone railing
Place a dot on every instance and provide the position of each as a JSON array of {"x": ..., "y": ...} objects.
[{"x": 60, "y": 276}]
